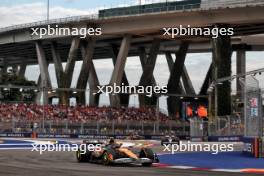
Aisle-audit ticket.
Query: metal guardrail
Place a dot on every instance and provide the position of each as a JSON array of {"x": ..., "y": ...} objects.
[{"x": 205, "y": 5}]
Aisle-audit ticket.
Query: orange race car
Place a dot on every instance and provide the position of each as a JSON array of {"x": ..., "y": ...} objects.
[{"x": 114, "y": 153}]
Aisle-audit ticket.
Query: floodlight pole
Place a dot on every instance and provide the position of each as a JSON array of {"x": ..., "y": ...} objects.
[
  {"x": 48, "y": 4},
  {"x": 43, "y": 109},
  {"x": 216, "y": 101},
  {"x": 157, "y": 113}
]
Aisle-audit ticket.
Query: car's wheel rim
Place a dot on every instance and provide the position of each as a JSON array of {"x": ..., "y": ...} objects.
[
  {"x": 78, "y": 155},
  {"x": 106, "y": 159}
]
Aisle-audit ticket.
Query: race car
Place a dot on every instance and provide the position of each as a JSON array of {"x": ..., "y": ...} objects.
[
  {"x": 114, "y": 153},
  {"x": 169, "y": 140}
]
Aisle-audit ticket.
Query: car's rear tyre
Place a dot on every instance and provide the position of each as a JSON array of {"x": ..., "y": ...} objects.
[
  {"x": 107, "y": 158},
  {"x": 147, "y": 153}
]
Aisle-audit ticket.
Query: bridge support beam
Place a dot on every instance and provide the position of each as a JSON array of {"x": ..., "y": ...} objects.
[
  {"x": 147, "y": 78},
  {"x": 39, "y": 85},
  {"x": 207, "y": 81},
  {"x": 58, "y": 68},
  {"x": 174, "y": 80},
  {"x": 170, "y": 62},
  {"x": 64, "y": 78},
  {"x": 2, "y": 71},
  {"x": 68, "y": 73},
  {"x": 22, "y": 70},
  {"x": 15, "y": 69},
  {"x": 87, "y": 50},
  {"x": 222, "y": 52},
  {"x": 188, "y": 86},
  {"x": 241, "y": 69},
  {"x": 93, "y": 85},
  {"x": 45, "y": 78},
  {"x": 124, "y": 98},
  {"x": 143, "y": 59},
  {"x": 118, "y": 72}
]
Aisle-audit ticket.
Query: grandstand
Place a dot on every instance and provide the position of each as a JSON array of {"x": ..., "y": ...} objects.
[{"x": 61, "y": 119}]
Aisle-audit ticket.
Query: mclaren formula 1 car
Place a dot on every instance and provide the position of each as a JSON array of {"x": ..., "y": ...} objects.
[
  {"x": 169, "y": 140},
  {"x": 114, "y": 153}
]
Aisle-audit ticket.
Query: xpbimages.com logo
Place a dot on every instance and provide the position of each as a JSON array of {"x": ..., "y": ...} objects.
[
  {"x": 198, "y": 147},
  {"x": 41, "y": 148},
  {"x": 65, "y": 31},
  {"x": 123, "y": 89}
]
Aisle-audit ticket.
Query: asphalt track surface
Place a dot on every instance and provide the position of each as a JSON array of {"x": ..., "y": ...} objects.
[{"x": 27, "y": 163}]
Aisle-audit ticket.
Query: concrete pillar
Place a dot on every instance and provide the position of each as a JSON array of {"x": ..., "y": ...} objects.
[
  {"x": 87, "y": 54},
  {"x": 174, "y": 80},
  {"x": 241, "y": 69},
  {"x": 22, "y": 70},
  {"x": 118, "y": 72},
  {"x": 45, "y": 78},
  {"x": 188, "y": 86},
  {"x": 207, "y": 81},
  {"x": 15, "y": 69},
  {"x": 2, "y": 65},
  {"x": 68, "y": 73},
  {"x": 170, "y": 62},
  {"x": 4, "y": 69},
  {"x": 143, "y": 60},
  {"x": 93, "y": 83},
  {"x": 39, "y": 85},
  {"x": 147, "y": 76},
  {"x": 58, "y": 71},
  {"x": 222, "y": 52},
  {"x": 57, "y": 64},
  {"x": 124, "y": 98}
]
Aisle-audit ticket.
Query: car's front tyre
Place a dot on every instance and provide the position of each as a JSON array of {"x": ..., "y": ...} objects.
[{"x": 81, "y": 157}]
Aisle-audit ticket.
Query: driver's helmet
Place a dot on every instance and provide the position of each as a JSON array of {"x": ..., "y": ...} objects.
[{"x": 112, "y": 140}]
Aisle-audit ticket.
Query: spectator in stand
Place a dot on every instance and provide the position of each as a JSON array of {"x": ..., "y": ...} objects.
[{"x": 33, "y": 112}]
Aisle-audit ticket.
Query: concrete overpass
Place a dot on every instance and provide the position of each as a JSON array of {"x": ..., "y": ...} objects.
[{"x": 138, "y": 35}]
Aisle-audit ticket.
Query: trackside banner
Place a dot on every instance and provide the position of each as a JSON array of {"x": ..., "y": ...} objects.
[
  {"x": 225, "y": 138},
  {"x": 17, "y": 135},
  {"x": 87, "y": 136}
]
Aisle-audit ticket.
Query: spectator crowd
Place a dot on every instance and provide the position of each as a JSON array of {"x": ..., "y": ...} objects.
[{"x": 81, "y": 113}]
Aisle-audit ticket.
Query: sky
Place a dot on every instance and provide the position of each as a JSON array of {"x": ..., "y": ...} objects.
[{"x": 14, "y": 12}]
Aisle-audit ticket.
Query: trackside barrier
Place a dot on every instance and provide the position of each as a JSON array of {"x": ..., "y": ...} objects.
[
  {"x": 253, "y": 146},
  {"x": 97, "y": 127}
]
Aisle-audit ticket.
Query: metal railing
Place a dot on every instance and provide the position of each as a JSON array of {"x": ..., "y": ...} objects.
[
  {"x": 205, "y": 5},
  {"x": 98, "y": 127}
]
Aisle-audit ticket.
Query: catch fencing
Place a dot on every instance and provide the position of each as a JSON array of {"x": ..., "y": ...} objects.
[
  {"x": 97, "y": 127},
  {"x": 220, "y": 126}
]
